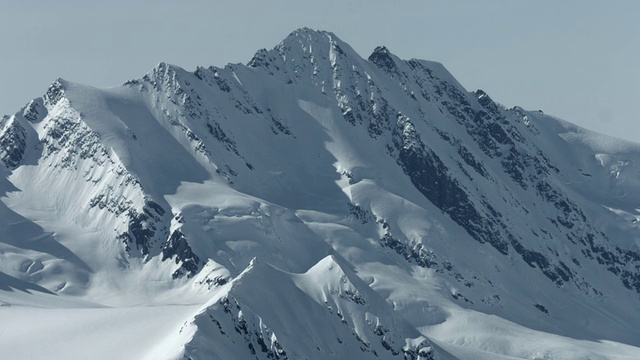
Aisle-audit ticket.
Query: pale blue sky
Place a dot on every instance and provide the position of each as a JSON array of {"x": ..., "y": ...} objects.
[{"x": 577, "y": 59}]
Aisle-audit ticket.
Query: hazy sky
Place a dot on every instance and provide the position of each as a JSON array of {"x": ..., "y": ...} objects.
[{"x": 576, "y": 59}]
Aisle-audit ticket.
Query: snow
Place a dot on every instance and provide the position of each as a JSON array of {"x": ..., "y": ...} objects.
[
  {"x": 96, "y": 333},
  {"x": 484, "y": 337}
]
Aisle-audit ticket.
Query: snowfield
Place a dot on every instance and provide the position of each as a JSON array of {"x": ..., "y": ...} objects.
[{"x": 312, "y": 204}]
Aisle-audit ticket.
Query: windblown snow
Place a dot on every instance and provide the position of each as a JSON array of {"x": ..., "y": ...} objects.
[{"x": 312, "y": 204}]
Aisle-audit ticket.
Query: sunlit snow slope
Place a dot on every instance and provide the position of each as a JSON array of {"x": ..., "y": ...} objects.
[{"x": 312, "y": 204}]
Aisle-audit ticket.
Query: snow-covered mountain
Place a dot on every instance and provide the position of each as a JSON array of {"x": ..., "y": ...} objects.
[{"x": 313, "y": 204}]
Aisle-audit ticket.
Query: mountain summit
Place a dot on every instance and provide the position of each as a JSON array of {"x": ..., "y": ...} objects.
[{"x": 313, "y": 204}]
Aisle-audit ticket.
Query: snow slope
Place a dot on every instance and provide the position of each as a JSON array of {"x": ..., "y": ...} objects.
[{"x": 313, "y": 204}]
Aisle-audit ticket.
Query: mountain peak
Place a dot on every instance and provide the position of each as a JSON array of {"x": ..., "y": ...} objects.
[
  {"x": 308, "y": 33},
  {"x": 307, "y": 38},
  {"x": 383, "y": 58},
  {"x": 166, "y": 68},
  {"x": 299, "y": 43},
  {"x": 306, "y": 53},
  {"x": 55, "y": 92},
  {"x": 381, "y": 50}
]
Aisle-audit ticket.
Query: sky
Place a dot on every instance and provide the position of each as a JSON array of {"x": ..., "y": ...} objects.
[{"x": 576, "y": 59}]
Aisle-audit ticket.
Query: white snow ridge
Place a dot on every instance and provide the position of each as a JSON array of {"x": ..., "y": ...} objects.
[{"x": 312, "y": 204}]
